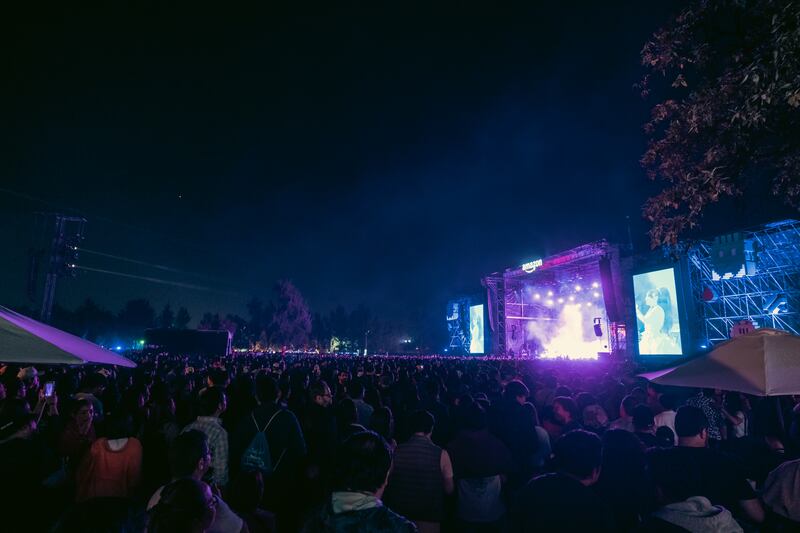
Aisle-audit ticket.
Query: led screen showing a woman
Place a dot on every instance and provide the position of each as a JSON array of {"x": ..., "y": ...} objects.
[
  {"x": 657, "y": 313},
  {"x": 476, "y": 329}
]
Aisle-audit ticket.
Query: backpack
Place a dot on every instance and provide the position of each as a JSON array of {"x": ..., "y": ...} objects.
[{"x": 257, "y": 456}]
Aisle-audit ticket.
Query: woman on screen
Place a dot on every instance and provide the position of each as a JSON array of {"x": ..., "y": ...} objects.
[
  {"x": 476, "y": 333},
  {"x": 655, "y": 339}
]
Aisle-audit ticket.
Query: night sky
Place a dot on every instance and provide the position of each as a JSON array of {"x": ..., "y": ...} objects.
[{"x": 382, "y": 156}]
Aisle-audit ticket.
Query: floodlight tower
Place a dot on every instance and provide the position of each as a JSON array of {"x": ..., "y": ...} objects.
[{"x": 67, "y": 234}]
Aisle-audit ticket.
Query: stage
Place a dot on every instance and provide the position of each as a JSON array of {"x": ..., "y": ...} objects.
[{"x": 562, "y": 306}]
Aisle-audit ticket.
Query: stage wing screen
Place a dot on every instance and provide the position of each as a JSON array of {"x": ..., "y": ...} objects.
[
  {"x": 658, "y": 321},
  {"x": 476, "y": 329}
]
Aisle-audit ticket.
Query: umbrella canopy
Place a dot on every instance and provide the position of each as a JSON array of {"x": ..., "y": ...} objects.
[
  {"x": 24, "y": 340},
  {"x": 765, "y": 362}
]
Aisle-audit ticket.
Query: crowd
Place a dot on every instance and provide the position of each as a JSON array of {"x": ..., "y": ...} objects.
[{"x": 349, "y": 444}]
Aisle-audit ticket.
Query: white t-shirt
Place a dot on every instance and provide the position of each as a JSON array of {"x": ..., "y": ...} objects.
[
  {"x": 740, "y": 430},
  {"x": 666, "y": 418}
]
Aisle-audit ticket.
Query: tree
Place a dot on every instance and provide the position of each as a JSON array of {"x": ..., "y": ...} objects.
[
  {"x": 255, "y": 308},
  {"x": 92, "y": 322},
  {"x": 359, "y": 325},
  {"x": 166, "y": 319},
  {"x": 731, "y": 117},
  {"x": 292, "y": 319},
  {"x": 321, "y": 331},
  {"x": 182, "y": 319},
  {"x": 260, "y": 327},
  {"x": 384, "y": 337},
  {"x": 339, "y": 322},
  {"x": 237, "y": 326},
  {"x": 137, "y": 316},
  {"x": 210, "y": 321}
]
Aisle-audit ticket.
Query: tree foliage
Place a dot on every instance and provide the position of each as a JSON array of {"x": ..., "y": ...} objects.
[
  {"x": 88, "y": 321},
  {"x": 730, "y": 121},
  {"x": 210, "y": 321},
  {"x": 272, "y": 324},
  {"x": 260, "y": 327},
  {"x": 137, "y": 316},
  {"x": 183, "y": 318},
  {"x": 238, "y": 328},
  {"x": 291, "y": 319},
  {"x": 166, "y": 319},
  {"x": 351, "y": 329}
]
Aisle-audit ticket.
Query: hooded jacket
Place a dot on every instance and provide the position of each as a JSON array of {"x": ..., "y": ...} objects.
[
  {"x": 698, "y": 515},
  {"x": 356, "y": 512}
]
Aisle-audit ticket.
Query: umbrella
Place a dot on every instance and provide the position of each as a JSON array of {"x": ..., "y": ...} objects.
[
  {"x": 24, "y": 340},
  {"x": 765, "y": 362}
]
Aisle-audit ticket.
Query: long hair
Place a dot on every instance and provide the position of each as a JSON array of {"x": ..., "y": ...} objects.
[{"x": 665, "y": 301}]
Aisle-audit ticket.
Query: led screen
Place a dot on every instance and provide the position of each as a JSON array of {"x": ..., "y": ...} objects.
[
  {"x": 658, "y": 322},
  {"x": 476, "y": 329}
]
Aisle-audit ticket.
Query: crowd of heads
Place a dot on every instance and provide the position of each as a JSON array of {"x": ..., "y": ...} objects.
[{"x": 177, "y": 429}]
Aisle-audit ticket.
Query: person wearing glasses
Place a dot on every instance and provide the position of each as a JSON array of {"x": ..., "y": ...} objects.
[
  {"x": 186, "y": 505},
  {"x": 191, "y": 459},
  {"x": 319, "y": 427}
]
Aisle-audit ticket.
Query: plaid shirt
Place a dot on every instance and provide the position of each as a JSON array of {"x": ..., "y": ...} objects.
[{"x": 217, "y": 443}]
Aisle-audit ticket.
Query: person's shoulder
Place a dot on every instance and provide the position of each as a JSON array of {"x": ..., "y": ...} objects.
[
  {"x": 264, "y": 412},
  {"x": 286, "y": 414},
  {"x": 394, "y": 521},
  {"x": 785, "y": 468},
  {"x": 541, "y": 482},
  {"x": 403, "y": 447},
  {"x": 496, "y": 442},
  {"x": 700, "y": 457},
  {"x": 226, "y": 519},
  {"x": 155, "y": 498},
  {"x": 654, "y": 524},
  {"x": 706, "y": 454},
  {"x": 542, "y": 491}
]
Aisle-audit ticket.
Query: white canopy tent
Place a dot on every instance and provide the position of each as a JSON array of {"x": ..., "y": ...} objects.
[
  {"x": 765, "y": 362},
  {"x": 24, "y": 340}
]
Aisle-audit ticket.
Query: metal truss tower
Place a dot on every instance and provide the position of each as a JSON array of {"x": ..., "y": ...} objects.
[
  {"x": 458, "y": 326},
  {"x": 67, "y": 234},
  {"x": 496, "y": 293},
  {"x": 769, "y": 298}
]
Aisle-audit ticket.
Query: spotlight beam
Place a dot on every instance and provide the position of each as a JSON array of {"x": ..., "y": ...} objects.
[{"x": 156, "y": 280}]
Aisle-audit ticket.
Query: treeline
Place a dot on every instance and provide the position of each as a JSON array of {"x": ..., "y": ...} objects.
[{"x": 283, "y": 321}]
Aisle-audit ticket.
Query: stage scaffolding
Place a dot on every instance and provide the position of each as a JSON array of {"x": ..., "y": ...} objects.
[
  {"x": 724, "y": 302},
  {"x": 505, "y": 290},
  {"x": 458, "y": 326}
]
